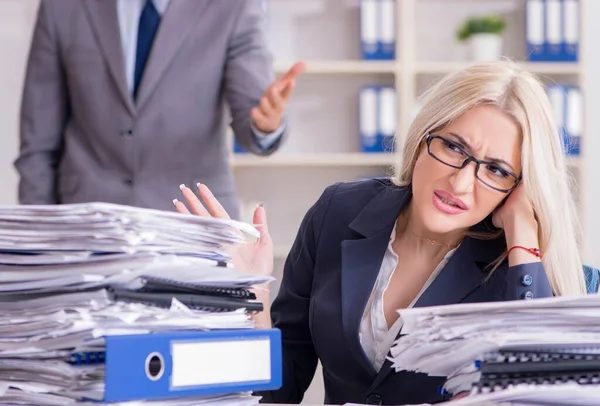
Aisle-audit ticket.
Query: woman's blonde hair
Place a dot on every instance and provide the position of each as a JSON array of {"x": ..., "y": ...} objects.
[{"x": 547, "y": 182}]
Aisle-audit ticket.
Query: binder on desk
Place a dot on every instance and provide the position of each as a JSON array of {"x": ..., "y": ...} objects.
[
  {"x": 166, "y": 365},
  {"x": 571, "y": 30},
  {"x": 386, "y": 35},
  {"x": 369, "y": 29},
  {"x": 387, "y": 118},
  {"x": 554, "y": 32},
  {"x": 368, "y": 117},
  {"x": 536, "y": 36}
]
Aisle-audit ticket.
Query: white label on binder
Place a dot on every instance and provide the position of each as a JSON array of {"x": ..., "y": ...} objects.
[
  {"x": 212, "y": 362},
  {"x": 553, "y": 15},
  {"x": 574, "y": 116},
  {"x": 386, "y": 21},
  {"x": 368, "y": 113},
  {"x": 387, "y": 111},
  {"x": 557, "y": 97},
  {"x": 368, "y": 21},
  {"x": 535, "y": 22},
  {"x": 571, "y": 21}
]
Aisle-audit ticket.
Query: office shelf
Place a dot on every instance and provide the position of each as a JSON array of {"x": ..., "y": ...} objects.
[
  {"x": 315, "y": 160},
  {"x": 342, "y": 67},
  {"x": 538, "y": 68}
]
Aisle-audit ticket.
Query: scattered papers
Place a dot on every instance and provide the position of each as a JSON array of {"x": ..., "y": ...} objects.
[
  {"x": 555, "y": 339},
  {"x": 60, "y": 269}
]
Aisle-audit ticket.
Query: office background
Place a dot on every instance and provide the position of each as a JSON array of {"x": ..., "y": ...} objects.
[{"x": 324, "y": 144}]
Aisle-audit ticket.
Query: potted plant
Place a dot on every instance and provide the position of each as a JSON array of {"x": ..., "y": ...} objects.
[{"x": 484, "y": 35}]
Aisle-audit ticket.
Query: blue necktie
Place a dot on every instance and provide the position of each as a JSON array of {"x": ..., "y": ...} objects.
[{"x": 149, "y": 20}]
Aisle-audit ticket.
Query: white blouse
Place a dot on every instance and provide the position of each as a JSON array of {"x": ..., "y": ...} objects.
[{"x": 375, "y": 338}]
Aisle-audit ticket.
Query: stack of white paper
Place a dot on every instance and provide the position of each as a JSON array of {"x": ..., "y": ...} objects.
[
  {"x": 68, "y": 278},
  {"x": 546, "y": 339},
  {"x": 533, "y": 395}
]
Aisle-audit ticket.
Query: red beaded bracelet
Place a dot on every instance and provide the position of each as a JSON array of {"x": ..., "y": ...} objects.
[{"x": 533, "y": 251}]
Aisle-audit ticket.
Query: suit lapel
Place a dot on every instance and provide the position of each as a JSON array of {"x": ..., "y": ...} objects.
[
  {"x": 361, "y": 260},
  {"x": 177, "y": 23},
  {"x": 105, "y": 24},
  {"x": 464, "y": 273}
]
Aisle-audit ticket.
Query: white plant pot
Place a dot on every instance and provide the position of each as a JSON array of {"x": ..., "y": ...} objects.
[{"x": 486, "y": 47}]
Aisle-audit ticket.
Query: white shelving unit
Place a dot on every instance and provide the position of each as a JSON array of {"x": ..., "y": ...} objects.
[{"x": 323, "y": 146}]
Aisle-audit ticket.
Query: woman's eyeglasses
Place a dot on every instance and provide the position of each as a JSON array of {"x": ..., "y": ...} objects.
[{"x": 491, "y": 174}]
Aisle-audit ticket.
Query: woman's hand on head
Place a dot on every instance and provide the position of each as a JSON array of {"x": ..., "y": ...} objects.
[
  {"x": 253, "y": 257},
  {"x": 516, "y": 209}
]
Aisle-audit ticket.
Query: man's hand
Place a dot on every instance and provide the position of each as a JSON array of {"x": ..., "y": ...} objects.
[{"x": 267, "y": 117}]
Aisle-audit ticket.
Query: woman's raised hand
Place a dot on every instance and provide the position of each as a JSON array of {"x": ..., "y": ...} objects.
[{"x": 253, "y": 257}]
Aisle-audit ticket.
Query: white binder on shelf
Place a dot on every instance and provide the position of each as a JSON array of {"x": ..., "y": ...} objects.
[
  {"x": 535, "y": 31},
  {"x": 368, "y": 29},
  {"x": 368, "y": 117},
  {"x": 571, "y": 30},
  {"x": 387, "y": 118},
  {"x": 554, "y": 31},
  {"x": 386, "y": 29}
]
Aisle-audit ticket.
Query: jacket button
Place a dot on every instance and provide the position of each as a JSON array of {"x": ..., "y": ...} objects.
[
  {"x": 374, "y": 399},
  {"x": 527, "y": 295},
  {"x": 127, "y": 132},
  {"x": 526, "y": 280},
  {"x": 128, "y": 181}
]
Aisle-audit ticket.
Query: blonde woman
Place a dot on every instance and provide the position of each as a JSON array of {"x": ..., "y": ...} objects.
[{"x": 479, "y": 209}]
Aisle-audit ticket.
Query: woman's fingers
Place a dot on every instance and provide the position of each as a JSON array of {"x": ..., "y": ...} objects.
[
  {"x": 214, "y": 207},
  {"x": 180, "y": 207},
  {"x": 260, "y": 222},
  {"x": 195, "y": 204}
]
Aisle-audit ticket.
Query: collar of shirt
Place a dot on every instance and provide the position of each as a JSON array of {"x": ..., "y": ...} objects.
[{"x": 128, "y": 12}]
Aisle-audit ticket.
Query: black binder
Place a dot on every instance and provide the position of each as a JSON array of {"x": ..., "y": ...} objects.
[
  {"x": 151, "y": 284},
  {"x": 205, "y": 302},
  {"x": 504, "y": 368}
]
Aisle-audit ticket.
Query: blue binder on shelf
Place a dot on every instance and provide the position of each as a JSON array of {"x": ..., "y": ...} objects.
[
  {"x": 535, "y": 30},
  {"x": 554, "y": 31},
  {"x": 378, "y": 29},
  {"x": 185, "y": 364},
  {"x": 368, "y": 119},
  {"x": 573, "y": 120},
  {"x": 387, "y": 118},
  {"x": 386, "y": 34},
  {"x": 566, "y": 102},
  {"x": 557, "y": 95},
  {"x": 368, "y": 29},
  {"x": 237, "y": 149},
  {"x": 571, "y": 30}
]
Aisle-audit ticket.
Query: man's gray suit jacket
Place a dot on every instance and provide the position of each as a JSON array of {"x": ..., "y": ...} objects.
[{"x": 84, "y": 138}]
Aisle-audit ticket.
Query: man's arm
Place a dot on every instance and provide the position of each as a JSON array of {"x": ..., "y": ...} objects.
[
  {"x": 44, "y": 111},
  {"x": 249, "y": 84}
]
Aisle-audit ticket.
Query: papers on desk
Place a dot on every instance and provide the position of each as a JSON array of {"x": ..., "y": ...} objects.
[
  {"x": 72, "y": 275},
  {"x": 491, "y": 347}
]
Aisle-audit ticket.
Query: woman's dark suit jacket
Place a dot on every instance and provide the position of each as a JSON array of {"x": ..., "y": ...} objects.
[{"x": 329, "y": 275}]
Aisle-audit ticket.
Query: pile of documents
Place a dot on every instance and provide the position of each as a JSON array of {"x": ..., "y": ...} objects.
[
  {"x": 542, "y": 349},
  {"x": 72, "y": 275}
]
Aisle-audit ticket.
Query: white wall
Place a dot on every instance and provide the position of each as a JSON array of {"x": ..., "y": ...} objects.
[{"x": 16, "y": 21}]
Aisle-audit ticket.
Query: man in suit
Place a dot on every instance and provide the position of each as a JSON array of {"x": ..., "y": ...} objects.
[{"x": 124, "y": 99}]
